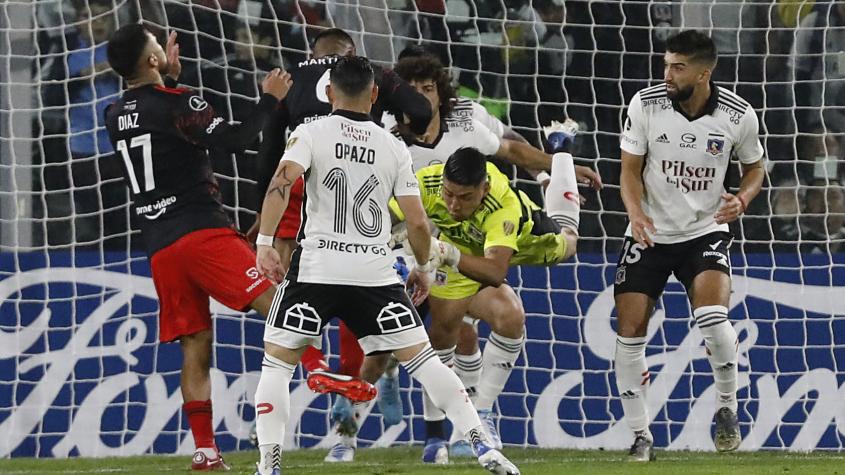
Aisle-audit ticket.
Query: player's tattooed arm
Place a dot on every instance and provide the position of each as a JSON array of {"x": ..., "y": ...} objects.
[
  {"x": 268, "y": 261},
  {"x": 278, "y": 194},
  {"x": 281, "y": 183}
]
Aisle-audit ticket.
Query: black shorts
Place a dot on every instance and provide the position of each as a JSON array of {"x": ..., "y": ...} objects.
[
  {"x": 646, "y": 270},
  {"x": 382, "y": 318}
]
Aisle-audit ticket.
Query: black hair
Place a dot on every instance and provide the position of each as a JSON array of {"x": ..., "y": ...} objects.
[
  {"x": 125, "y": 48},
  {"x": 428, "y": 67},
  {"x": 413, "y": 51},
  {"x": 351, "y": 75},
  {"x": 693, "y": 44},
  {"x": 335, "y": 34},
  {"x": 466, "y": 167}
]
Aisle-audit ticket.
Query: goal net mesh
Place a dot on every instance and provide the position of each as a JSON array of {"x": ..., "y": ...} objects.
[{"x": 83, "y": 373}]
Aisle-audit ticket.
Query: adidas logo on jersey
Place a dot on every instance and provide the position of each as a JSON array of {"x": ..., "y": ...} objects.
[{"x": 662, "y": 139}]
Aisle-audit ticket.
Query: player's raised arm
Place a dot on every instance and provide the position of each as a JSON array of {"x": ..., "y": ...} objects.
[
  {"x": 403, "y": 100},
  {"x": 201, "y": 125}
]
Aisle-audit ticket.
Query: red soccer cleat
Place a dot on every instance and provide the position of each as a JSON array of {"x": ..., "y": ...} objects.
[
  {"x": 354, "y": 389},
  {"x": 202, "y": 463}
]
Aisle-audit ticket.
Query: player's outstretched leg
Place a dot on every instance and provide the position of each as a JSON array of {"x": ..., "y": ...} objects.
[
  {"x": 447, "y": 392},
  {"x": 562, "y": 201},
  {"x": 354, "y": 389},
  {"x": 313, "y": 360},
  {"x": 720, "y": 339}
]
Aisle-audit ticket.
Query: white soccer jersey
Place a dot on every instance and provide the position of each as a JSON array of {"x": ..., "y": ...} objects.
[
  {"x": 353, "y": 168},
  {"x": 460, "y": 131},
  {"x": 465, "y": 107},
  {"x": 686, "y": 161}
]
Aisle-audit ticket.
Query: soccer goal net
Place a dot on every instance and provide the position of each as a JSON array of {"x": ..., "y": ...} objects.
[{"x": 83, "y": 373}]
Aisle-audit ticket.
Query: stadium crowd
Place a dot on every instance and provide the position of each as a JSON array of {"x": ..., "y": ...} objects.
[{"x": 529, "y": 62}]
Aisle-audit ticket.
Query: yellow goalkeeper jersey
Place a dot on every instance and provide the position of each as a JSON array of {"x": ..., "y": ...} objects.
[{"x": 506, "y": 217}]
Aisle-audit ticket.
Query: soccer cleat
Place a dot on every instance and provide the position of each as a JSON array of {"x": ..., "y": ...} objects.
[
  {"x": 642, "y": 450},
  {"x": 343, "y": 417},
  {"x": 340, "y": 453},
  {"x": 203, "y": 463},
  {"x": 354, "y": 389},
  {"x": 435, "y": 451},
  {"x": 270, "y": 462},
  {"x": 488, "y": 419},
  {"x": 560, "y": 134},
  {"x": 460, "y": 448},
  {"x": 727, "y": 436},
  {"x": 389, "y": 402},
  {"x": 494, "y": 461}
]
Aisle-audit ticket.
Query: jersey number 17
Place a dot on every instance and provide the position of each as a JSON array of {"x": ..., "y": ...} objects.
[{"x": 146, "y": 144}]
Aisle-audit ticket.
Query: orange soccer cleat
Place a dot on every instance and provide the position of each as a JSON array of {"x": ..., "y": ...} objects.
[{"x": 354, "y": 389}]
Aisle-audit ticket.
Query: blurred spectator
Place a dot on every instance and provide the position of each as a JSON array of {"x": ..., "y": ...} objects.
[
  {"x": 91, "y": 87},
  {"x": 818, "y": 71},
  {"x": 232, "y": 82}
]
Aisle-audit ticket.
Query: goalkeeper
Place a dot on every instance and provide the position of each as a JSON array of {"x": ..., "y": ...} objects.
[{"x": 486, "y": 226}]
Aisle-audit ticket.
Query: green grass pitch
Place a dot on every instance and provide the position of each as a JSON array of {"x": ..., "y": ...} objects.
[{"x": 405, "y": 460}]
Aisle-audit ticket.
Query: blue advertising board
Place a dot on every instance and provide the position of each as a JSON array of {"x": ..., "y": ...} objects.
[{"x": 82, "y": 374}]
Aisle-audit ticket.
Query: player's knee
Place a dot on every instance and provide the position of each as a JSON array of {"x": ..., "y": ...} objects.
[
  {"x": 287, "y": 355},
  {"x": 510, "y": 320},
  {"x": 629, "y": 325}
]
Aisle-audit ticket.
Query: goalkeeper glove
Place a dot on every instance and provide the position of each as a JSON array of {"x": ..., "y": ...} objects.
[
  {"x": 446, "y": 253},
  {"x": 440, "y": 253},
  {"x": 398, "y": 235}
]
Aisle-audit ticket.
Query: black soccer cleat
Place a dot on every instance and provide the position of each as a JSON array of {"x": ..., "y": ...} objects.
[
  {"x": 642, "y": 450},
  {"x": 727, "y": 437}
]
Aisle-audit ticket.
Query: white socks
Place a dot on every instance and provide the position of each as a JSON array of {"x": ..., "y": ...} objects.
[
  {"x": 468, "y": 368},
  {"x": 272, "y": 407},
  {"x": 632, "y": 378},
  {"x": 431, "y": 411},
  {"x": 500, "y": 354},
  {"x": 562, "y": 199},
  {"x": 720, "y": 340},
  {"x": 444, "y": 388}
]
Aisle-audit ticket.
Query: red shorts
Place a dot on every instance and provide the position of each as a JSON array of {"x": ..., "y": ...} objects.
[
  {"x": 206, "y": 263},
  {"x": 289, "y": 226}
]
